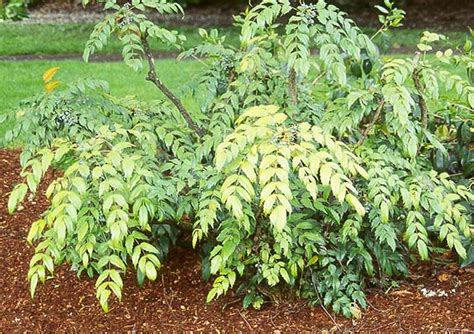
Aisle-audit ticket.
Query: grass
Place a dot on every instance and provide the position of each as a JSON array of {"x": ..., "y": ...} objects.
[
  {"x": 19, "y": 80},
  {"x": 50, "y": 39}
]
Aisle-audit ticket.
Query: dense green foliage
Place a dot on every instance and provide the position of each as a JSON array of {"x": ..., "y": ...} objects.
[
  {"x": 301, "y": 174},
  {"x": 13, "y": 9}
]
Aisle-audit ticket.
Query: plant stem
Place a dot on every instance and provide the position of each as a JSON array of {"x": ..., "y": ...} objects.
[
  {"x": 366, "y": 131},
  {"x": 377, "y": 33},
  {"x": 292, "y": 89},
  {"x": 419, "y": 90},
  {"x": 152, "y": 76}
]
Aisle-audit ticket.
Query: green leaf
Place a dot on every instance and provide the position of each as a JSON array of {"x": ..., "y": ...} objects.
[
  {"x": 150, "y": 271},
  {"x": 60, "y": 228},
  {"x": 354, "y": 202},
  {"x": 104, "y": 300},
  {"x": 228, "y": 249},
  {"x": 384, "y": 212},
  {"x": 335, "y": 185},
  {"x": 211, "y": 295},
  {"x": 460, "y": 249},
  {"x": 278, "y": 217},
  {"x": 325, "y": 174},
  {"x": 128, "y": 165},
  {"x": 116, "y": 261},
  {"x": 412, "y": 147},
  {"x": 422, "y": 249},
  {"x": 32, "y": 232},
  {"x": 115, "y": 276},
  {"x": 116, "y": 290},
  {"x": 16, "y": 196},
  {"x": 285, "y": 275},
  {"x": 216, "y": 263},
  {"x": 470, "y": 98},
  {"x": 33, "y": 284}
]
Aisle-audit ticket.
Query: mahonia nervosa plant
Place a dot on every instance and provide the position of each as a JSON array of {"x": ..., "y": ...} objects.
[{"x": 304, "y": 173}]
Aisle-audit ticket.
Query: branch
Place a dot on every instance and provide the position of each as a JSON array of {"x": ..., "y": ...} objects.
[
  {"x": 169, "y": 94},
  {"x": 366, "y": 131},
  {"x": 292, "y": 88},
  {"x": 182, "y": 225},
  {"x": 419, "y": 89}
]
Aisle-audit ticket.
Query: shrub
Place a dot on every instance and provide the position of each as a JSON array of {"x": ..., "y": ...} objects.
[
  {"x": 304, "y": 174},
  {"x": 13, "y": 9}
]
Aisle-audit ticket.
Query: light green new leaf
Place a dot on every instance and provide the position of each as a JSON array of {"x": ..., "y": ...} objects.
[
  {"x": 16, "y": 196},
  {"x": 150, "y": 271},
  {"x": 128, "y": 165},
  {"x": 278, "y": 217},
  {"x": 352, "y": 200},
  {"x": 325, "y": 174}
]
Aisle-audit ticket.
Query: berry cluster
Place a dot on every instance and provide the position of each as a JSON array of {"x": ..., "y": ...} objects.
[
  {"x": 293, "y": 134},
  {"x": 287, "y": 136},
  {"x": 139, "y": 113},
  {"x": 221, "y": 72},
  {"x": 222, "y": 85},
  {"x": 125, "y": 21},
  {"x": 65, "y": 119},
  {"x": 308, "y": 12},
  {"x": 226, "y": 64}
]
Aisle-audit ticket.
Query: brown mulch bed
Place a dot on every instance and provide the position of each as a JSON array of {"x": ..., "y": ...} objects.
[{"x": 176, "y": 301}]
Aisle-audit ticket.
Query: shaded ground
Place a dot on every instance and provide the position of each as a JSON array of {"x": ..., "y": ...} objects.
[
  {"x": 426, "y": 14},
  {"x": 444, "y": 15},
  {"x": 67, "y": 28},
  {"x": 111, "y": 57},
  {"x": 176, "y": 301}
]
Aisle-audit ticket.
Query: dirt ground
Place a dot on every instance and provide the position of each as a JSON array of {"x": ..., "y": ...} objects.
[{"x": 176, "y": 302}]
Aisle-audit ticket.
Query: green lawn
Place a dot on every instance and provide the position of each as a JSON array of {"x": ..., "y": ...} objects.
[{"x": 41, "y": 39}]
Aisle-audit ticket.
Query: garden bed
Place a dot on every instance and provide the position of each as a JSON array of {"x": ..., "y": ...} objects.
[{"x": 177, "y": 300}]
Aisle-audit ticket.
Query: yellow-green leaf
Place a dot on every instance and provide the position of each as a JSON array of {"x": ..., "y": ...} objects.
[
  {"x": 150, "y": 271},
  {"x": 325, "y": 174},
  {"x": 128, "y": 166},
  {"x": 354, "y": 202},
  {"x": 16, "y": 196},
  {"x": 384, "y": 213},
  {"x": 335, "y": 185},
  {"x": 278, "y": 217}
]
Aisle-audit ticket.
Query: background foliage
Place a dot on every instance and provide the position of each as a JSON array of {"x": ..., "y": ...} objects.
[{"x": 13, "y": 9}]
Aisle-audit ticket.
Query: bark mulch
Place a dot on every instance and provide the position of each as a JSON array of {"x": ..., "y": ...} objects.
[{"x": 176, "y": 301}]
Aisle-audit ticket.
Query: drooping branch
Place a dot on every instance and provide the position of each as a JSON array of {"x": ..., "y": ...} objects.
[
  {"x": 153, "y": 77},
  {"x": 369, "y": 127},
  {"x": 419, "y": 89}
]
